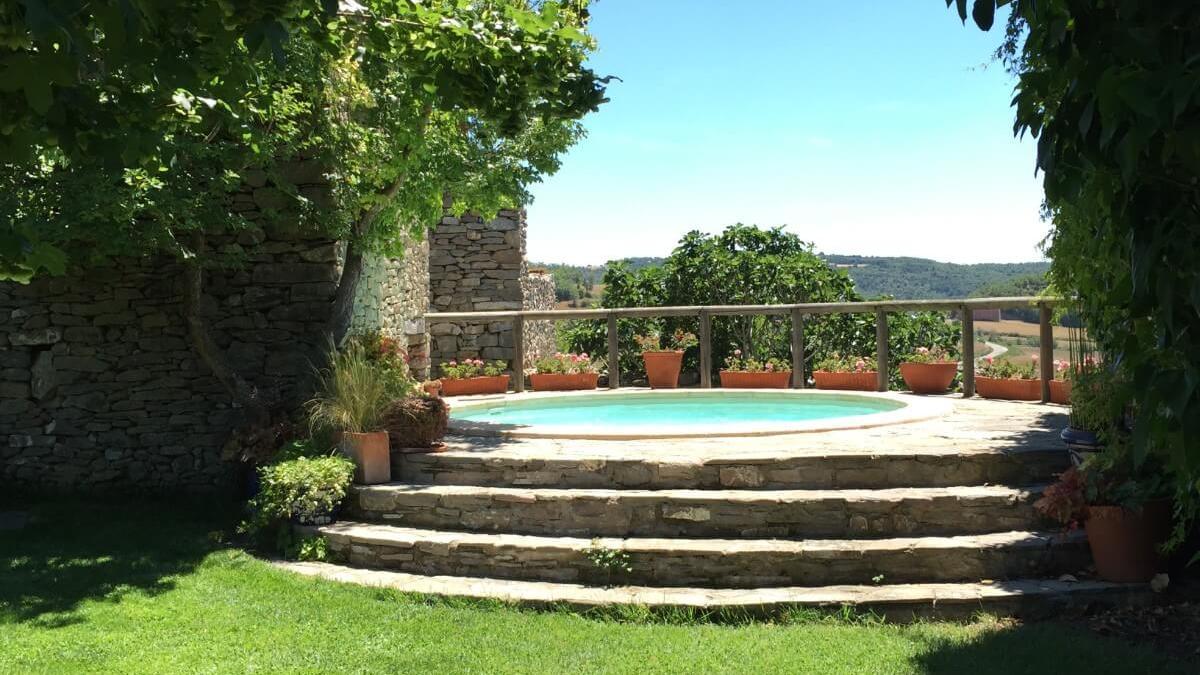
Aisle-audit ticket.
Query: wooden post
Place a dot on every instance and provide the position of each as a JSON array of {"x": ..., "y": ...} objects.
[
  {"x": 881, "y": 349},
  {"x": 519, "y": 353},
  {"x": 705, "y": 349},
  {"x": 968, "y": 352},
  {"x": 1046, "y": 347},
  {"x": 614, "y": 353},
  {"x": 798, "y": 380}
]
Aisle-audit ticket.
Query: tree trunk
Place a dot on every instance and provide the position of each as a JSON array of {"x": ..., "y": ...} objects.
[{"x": 343, "y": 300}]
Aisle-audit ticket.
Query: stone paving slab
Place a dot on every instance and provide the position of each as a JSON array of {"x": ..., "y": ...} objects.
[
  {"x": 700, "y": 513},
  {"x": 710, "y": 562},
  {"x": 897, "y": 602}
]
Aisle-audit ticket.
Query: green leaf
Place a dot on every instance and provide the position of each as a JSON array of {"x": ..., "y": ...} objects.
[
  {"x": 962, "y": 10},
  {"x": 984, "y": 13},
  {"x": 38, "y": 94}
]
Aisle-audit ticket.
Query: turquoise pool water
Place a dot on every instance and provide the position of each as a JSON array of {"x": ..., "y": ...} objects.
[{"x": 679, "y": 410}]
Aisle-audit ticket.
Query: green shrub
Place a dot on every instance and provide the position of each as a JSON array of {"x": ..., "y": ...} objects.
[{"x": 305, "y": 490}]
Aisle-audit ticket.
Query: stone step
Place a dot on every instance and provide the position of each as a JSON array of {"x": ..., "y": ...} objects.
[
  {"x": 716, "y": 563},
  {"x": 1029, "y": 598},
  {"x": 700, "y": 513},
  {"x": 543, "y": 465}
]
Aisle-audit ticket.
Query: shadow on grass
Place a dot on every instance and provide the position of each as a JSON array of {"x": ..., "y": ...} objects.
[
  {"x": 73, "y": 551},
  {"x": 1038, "y": 648}
]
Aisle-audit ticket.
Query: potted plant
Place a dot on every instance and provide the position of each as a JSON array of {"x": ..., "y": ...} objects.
[
  {"x": 929, "y": 370},
  {"x": 352, "y": 394},
  {"x": 474, "y": 376},
  {"x": 1123, "y": 511},
  {"x": 857, "y": 373},
  {"x": 1007, "y": 380},
  {"x": 566, "y": 372},
  {"x": 663, "y": 358},
  {"x": 1098, "y": 402},
  {"x": 750, "y": 373},
  {"x": 417, "y": 423},
  {"x": 1060, "y": 386}
]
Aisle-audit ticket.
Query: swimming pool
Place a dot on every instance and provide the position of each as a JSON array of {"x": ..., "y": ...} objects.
[{"x": 682, "y": 413}]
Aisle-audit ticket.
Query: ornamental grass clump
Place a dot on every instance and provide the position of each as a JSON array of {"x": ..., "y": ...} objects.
[{"x": 352, "y": 393}]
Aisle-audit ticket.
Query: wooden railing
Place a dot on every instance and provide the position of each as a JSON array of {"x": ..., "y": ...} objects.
[{"x": 799, "y": 314}]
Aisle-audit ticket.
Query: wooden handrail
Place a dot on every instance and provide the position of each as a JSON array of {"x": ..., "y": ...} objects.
[
  {"x": 866, "y": 307},
  {"x": 797, "y": 312}
]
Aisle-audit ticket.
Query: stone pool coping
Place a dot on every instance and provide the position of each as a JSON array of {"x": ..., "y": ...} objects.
[{"x": 914, "y": 409}]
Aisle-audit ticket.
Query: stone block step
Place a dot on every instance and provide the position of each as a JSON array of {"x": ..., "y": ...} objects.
[
  {"x": 714, "y": 563},
  {"x": 700, "y": 513},
  {"x": 1029, "y": 598},
  {"x": 544, "y": 465}
]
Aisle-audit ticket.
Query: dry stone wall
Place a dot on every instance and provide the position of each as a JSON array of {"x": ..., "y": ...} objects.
[
  {"x": 478, "y": 266},
  {"x": 392, "y": 299},
  {"x": 100, "y": 387},
  {"x": 537, "y": 290}
]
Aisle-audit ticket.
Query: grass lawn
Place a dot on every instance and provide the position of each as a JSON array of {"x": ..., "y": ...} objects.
[{"x": 151, "y": 588}]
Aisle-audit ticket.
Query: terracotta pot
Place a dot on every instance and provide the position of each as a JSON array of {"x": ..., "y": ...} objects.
[
  {"x": 740, "y": 379},
  {"x": 1060, "y": 392},
  {"x": 662, "y": 368},
  {"x": 929, "y": 378},
  {"x": 1009, "y": 389},
  {"x": 563, "y": 381},
  {"x": 1124, "y": 543},
  {"x": 369, "y": 452},
  {"x": 497, "y": 384},
  {"x": 868, "y": 381}
]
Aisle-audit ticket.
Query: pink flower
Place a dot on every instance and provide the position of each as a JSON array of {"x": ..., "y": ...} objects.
[
  {"x": 922, "y": 350},
  {"x": 989, "y": 360},
  {"x": 770, "y": 367},
  {"x": 737, "y": 352},
  {"x": 1035, "y": 358},
  {"x": 454, "y": 363},
  {"x": 584, "y": 355}
]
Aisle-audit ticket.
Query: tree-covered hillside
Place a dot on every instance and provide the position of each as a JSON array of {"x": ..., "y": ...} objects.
[{"x": 910, "y": 278}]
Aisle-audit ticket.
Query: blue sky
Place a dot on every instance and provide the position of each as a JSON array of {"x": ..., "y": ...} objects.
[{"x": 878, "y": 127}]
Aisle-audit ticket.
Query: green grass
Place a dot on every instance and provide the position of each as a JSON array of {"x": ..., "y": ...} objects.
[{"x": 150, "y": 588}]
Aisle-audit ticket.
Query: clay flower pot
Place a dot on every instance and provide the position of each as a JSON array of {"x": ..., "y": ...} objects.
[
  {"x": 1060, "y": 391},
  {"x": 929, "y": 378},
  {"x": 370, "y": 454},
  {"x": 563, "y": 381},
  {"x": 741, "y": 379},
  {"x": 662, "y": 368},
  {"x": 497, "y": 384},
  {"x": 1125, "y": 543},
  {"x": 865, "y": 381},
  {"x": 1008, "y": 389}
]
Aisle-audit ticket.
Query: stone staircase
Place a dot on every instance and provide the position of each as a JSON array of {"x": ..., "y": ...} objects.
[{"x": 901, "y": 521}]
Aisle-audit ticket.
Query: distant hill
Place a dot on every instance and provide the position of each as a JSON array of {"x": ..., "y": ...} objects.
[
  {"x": 913, "y": 278},
  {"x": 902, "y": 278}
]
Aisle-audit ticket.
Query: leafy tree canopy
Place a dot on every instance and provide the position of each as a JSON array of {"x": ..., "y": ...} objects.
[
  {"x": 1111, "y": 90},
  {"x": 125, "y": 124},
  {"x": 747, "y": 265}
]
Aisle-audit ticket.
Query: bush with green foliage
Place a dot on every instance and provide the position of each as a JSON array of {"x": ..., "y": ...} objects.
[
  {"x": 467, "y": 368},
  {"x": 305, "y": 489},
  {"x": 1111, "y": 91},
  {"x": 837, "y": 363},
  {"x": 568, "y": 364},
  {"x": 736, "y": 363},
  {"x": 747, "y": 265}
]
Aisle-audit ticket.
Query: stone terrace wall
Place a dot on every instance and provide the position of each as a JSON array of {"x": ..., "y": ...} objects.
[
  {"x": 100, "y": 388},
  {"x": 476, "y": 266},
  {"x": 538, "y": 294},
  {"x": 393, "y": 297}
]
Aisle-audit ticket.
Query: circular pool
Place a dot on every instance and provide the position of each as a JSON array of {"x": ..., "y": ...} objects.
[{"x": 683, "y": 413}]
